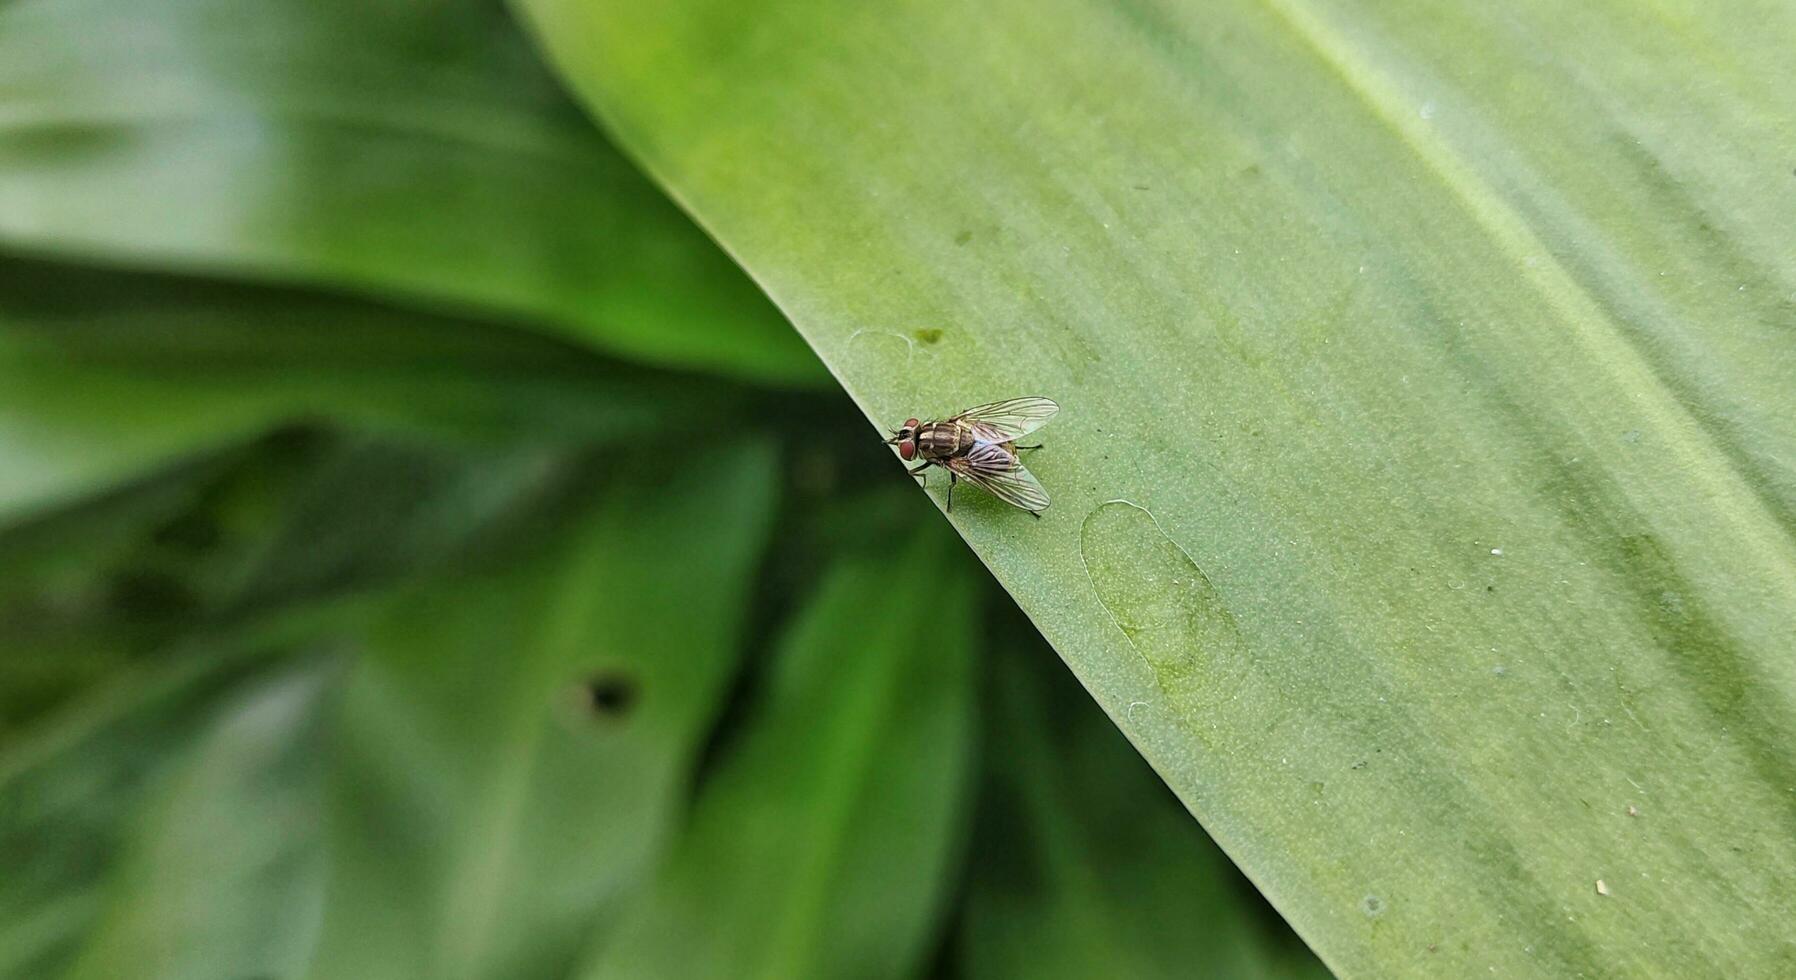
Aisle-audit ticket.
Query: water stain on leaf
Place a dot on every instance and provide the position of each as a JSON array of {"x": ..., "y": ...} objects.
[
  {"x": 882, "y": 346},
  {"x": 1166, "y": 606}
]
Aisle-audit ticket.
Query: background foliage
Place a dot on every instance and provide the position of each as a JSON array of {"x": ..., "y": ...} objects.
[{"x": 410, "y": 569}]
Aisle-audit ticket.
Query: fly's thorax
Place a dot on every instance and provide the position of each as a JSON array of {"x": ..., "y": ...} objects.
[{"x": 943, "y": 440}]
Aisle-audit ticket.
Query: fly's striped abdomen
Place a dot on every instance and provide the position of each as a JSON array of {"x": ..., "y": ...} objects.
[{"x": 943, "y": 440}]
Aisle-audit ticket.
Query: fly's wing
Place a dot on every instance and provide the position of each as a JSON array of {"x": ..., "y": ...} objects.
[
  {"x": 996, "y": 470},
  {"x": 1009, "y": 419}
]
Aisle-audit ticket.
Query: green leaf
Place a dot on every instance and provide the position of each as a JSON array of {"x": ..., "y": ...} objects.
[
  {"x": 417, "y": 151},
  {"x": 92, "y": 859},
  {"x": 223, "y": 875},
  {"x": 288, "y": 522},
  {"x": 104, "y": 378},
  {"x": 514, "y": 748},
  {"x": 69, "y": 609},
  {"x": 821, "y": 846},
  {"x": 1423, "y": 482},
  {"x": 1084, "y": 865},
  {"x": 373, "y": 514},
  {"x": 165, "y": 823}
]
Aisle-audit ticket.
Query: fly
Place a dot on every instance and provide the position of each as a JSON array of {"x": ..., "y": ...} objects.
[{"x": 979, "y": 445}]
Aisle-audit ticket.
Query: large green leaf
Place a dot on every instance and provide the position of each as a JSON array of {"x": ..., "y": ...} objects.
[
  {"x": 165, "y": 823},
  {"x": 223, "y": 874},
  {"x": 104, "y": 378},
  {"x": 417, "y": 150},
  {"x": 514, "y": 748},
  {"x": 1423, "y": 490},
  {"x": 100, "y": 806},
  {"x": 821, "y": 845}
]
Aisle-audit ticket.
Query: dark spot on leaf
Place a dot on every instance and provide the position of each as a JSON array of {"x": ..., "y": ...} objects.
[
  {"x": 963, "y": 238},
  {"x": 611, "y": 695},
  {"x": 927, "y": 335},
  {"x": 1141, "y": 187},
  {"x": 1251, "y": 170}
]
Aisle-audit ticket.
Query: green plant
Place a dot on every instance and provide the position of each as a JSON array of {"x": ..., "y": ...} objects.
[
  {"x": 1422, "y": 505},
  {"x": 409, "y": 571}
]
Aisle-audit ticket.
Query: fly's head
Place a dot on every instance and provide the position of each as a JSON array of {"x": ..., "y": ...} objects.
[{"x": 906, "y": 439}]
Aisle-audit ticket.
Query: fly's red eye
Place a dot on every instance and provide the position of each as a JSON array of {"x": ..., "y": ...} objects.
[
  {"x": 908, "y": 450},
  {"x": 910, "y": 423}
]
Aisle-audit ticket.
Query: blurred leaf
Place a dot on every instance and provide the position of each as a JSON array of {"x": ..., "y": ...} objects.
[
  {"x": 117, "y": 831},
  {"x": 223, "y": 876},
  {"x": 821, "y": 846},
  {"x": 1425, "y": 471},
  {"x": 76, "y": 543},
  {"x": 375, "y": 511},
  {"x": 514, "y": 749},
  {"x": 67, "y": 616},
  {"x": 1085, "y": 865},
  {"x": 103, "y": 377},
  {"x": 286, "y": 522},
  {"x": 405, "y": 149},
  {"x": 74, "y": 793}
]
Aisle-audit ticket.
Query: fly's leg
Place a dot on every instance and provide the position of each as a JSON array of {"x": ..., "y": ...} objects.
[
  {"x": 1022, "y": 448},
  {"x": 917, "y": 471},
  {"x": 1035, "y": 514},
  {"x": 953, "y": 478}
]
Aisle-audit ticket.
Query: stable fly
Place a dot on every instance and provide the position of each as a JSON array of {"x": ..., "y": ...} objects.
[{"x": 979, "y": 445}]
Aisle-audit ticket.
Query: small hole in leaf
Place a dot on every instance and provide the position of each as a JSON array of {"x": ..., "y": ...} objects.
[{"x": 611, "y": 695}]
